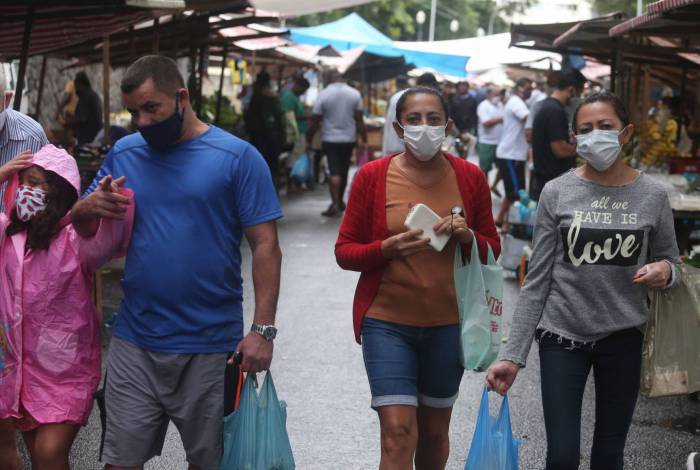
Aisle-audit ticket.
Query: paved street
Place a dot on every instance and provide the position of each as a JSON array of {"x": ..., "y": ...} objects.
[{"x": 318, "y": 370}]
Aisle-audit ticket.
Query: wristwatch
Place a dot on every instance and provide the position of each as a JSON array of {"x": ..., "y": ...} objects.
[{"x": 269, "y": 332}]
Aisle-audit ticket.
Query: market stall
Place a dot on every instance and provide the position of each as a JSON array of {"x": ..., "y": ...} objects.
[
  {"x": 670, "y": 126},
  {"x": 655, "y": 68}
]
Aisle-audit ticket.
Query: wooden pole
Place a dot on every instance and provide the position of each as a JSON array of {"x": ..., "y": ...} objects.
[
  {"x": 645, "y": 98},
  {"x": 40, "y": 93},
  {"x": 634, "y": 99},
  {"x": 684, "y": 84},
  {"x": 176, "y": 42},
  {"x": 24, "y": 57},
  {"x": 132, "y": 46},
  {"x": 221, "y": 85},
  {"x": 616, "y": 68},
  {"x": 280, "y": 75},
  {"x": 105, "y": 90},
  {"x": 253, "y": 71},
  {"x": 156, "y": 35},
  {"x": 200, "y": 82}
]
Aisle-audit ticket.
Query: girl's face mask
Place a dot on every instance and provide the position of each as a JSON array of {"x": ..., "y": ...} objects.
[{"x": 29, "y": 202}]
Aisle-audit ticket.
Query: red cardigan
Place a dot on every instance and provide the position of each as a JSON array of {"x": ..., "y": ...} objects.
[{"x": 364, "y": 226}]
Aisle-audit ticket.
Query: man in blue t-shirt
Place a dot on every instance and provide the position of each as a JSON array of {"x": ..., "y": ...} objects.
[{"x": 197, "y": 191}]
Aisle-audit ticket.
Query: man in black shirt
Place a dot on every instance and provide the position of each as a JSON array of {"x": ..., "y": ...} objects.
[
  {"x": 553, "y": 152},
  {"x": 463, "y": 109},
  {"x": 88, "y": 114}
]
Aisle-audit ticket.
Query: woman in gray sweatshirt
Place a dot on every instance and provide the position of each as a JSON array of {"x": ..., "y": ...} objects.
[{"x": 604, "y": 235}]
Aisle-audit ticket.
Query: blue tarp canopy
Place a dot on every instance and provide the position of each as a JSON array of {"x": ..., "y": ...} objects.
[{"x": 353, "y": 31}]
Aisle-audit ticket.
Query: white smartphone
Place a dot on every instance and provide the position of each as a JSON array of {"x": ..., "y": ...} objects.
[{"x": 422, "y": 217}]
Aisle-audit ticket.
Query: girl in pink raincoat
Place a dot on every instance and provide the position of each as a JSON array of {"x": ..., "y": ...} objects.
[{"x": 49, "y": 329}]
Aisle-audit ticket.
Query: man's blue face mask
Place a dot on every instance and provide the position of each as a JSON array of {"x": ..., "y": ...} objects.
[{"x": 164, "y": 134}]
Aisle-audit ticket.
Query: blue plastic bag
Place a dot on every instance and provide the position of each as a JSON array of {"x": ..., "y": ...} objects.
[
  {"x": 255, "y": 435},
  {"x": 479, "y": 290},
  {"x": 274, "y": 452},
  {"x": 301, "y": 171},
  {"x": 240, "y": 431},
  {"x": 493, "y": 445}
]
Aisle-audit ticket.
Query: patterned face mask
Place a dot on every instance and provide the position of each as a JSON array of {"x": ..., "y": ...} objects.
[{"x": 29, "y": 202}]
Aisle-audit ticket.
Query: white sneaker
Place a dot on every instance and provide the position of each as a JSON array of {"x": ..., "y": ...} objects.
[{"x": 693, "y": 462}]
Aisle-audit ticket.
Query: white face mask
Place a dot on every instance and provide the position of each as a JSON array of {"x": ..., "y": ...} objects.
[
  {"x": 599, "y": 148},
  {"x": 424, "y": 141}
]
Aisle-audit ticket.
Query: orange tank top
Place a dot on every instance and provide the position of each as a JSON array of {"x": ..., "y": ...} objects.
[{"x": 418, "y": 290}]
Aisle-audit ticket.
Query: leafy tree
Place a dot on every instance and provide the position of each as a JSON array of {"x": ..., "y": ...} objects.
[
  {"x": 603, "y": 7},
  {"x": 396, "y": 18}
]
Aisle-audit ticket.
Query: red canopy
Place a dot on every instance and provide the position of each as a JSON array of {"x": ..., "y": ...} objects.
[
  {"x": 665, "y": 17},
  {"x": 55, "y": 27}
]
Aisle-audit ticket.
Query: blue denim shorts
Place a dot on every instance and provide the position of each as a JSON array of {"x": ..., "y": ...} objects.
[{"x": 408, "y": 365}]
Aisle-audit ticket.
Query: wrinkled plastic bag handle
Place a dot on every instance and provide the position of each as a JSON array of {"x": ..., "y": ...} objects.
[{"x": 460, "y": 261}]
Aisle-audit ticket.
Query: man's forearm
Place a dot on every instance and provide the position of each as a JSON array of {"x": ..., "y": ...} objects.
[
  {"x": 267, "y": 265},
  {"x": 86, "y": 225},
  {"x": 362, "y": 130},
  {"x": 313, "y": 128}
]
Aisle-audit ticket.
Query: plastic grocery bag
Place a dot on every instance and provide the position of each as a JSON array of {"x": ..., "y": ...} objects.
[
  {"x": 274, "y": 452},
  {"x": 255, "y": 435},
  {"x": 671, "y": 352},
  {"x": 493, "y": 445},
  {"x": 301, "y": 171},
  {"x": 479, "y": 291},
  {"x": 240, "y": 431}
]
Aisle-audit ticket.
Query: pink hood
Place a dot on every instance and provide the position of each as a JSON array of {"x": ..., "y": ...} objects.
[{"x": 49, "y": 158}]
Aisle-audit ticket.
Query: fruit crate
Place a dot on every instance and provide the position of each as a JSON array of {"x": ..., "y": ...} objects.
[{"x": 678, "y": 165}]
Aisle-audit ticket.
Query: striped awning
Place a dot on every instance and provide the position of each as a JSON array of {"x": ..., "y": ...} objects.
[
  {"x": 589, "y": 32},
  {"x": 71, "y": 22},
  {"x": 663, "y": 6},
  {"x": 668, "y": 17},
  {"x": 293, "y": 8}
]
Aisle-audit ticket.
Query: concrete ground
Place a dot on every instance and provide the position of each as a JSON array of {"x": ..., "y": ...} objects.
[{"x": 318, "y": 370}]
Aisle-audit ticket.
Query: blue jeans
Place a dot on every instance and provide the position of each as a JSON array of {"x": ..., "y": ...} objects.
[
  {"x": 408, "y": 365},
  {"x": 616, "y": 362}
]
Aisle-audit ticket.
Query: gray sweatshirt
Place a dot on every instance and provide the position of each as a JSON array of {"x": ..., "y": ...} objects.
[{"x": 589, "y": 242}]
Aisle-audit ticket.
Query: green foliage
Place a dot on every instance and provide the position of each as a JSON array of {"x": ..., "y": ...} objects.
[
  {"x": 397, "y": 18},
  {"x": 603, "y": 7},
  {"x": 228, "y": 118}
]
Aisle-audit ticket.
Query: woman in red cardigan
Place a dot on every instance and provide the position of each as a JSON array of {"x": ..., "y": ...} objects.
[{"x": 405, "y": 308}]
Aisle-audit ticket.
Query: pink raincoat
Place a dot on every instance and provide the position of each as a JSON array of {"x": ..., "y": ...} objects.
[{"x": 49, "y": 329}]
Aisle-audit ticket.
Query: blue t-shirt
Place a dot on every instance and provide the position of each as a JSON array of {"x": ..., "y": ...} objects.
[{"x": 183, "y": 290}]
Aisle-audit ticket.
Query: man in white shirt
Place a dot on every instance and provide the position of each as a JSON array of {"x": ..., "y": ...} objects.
[
  {"x": 18, "y": 132},
  {"x": 391, "y": 143},
  {"x": 339, "y": 108},
  {"x": 512, "y": 150},
  {"x": 538, "y": 94},
  {"x": 490, "y": 114}
]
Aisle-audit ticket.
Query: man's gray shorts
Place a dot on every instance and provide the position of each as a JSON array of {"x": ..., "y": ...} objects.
[{"x": 145, "y": 390}]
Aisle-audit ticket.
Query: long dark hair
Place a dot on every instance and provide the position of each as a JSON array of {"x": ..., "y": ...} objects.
[{"x": 42, "y": 227}]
